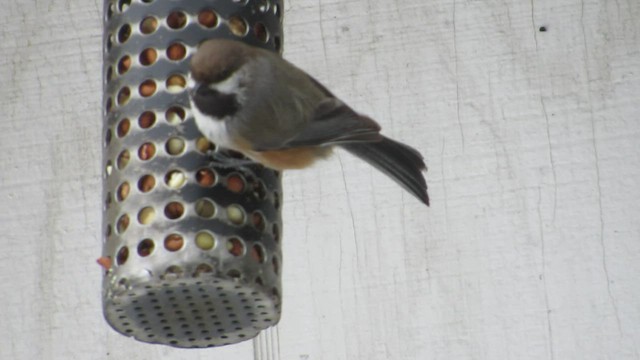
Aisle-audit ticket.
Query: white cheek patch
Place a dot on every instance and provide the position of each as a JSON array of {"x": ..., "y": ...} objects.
[
  {"x": 212, "y": 128},
  {"x": 215, "y": 129},
  {"x": 231, "y": 85}
]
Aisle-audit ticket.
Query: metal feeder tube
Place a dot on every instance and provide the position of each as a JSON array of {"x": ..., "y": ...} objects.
[{"x": 193, "y": 253}]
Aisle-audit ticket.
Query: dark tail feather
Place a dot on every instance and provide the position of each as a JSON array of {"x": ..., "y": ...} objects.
[{"x": 401, "y": 162}]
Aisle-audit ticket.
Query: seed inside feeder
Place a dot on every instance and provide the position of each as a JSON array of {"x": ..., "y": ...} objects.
[
  {"x": 146, "y": 151},
  {"x": 176, "y": 83},
  {"x": 146, "y": 119},
  {"x": 175, "y": 115},
  {"x": 237, "y": 25},
  {"x": 175, "y": 179},
  {"x": 176, "y": 20},
  {"x": 146, "y": 215},
  {"x": 260, "y": 32},
  {"x": 123, "y": 191},
  {"x": 148, "y": 56},
  {"x": 122, "y": 256},
  {"x": 145, "y": 247},
  {"x": 174, "y": 146},
  {"x": 147, "y": 88},
  {"x": 123, "y": 96},
  {"x": 235, "y": 214},
  {"x": 205, "y": 208},
  {"x": 148, "y": 25},
  {"x": 208, "y": 18},
  {"x": 146, "y": 183},
  {"x": 173, "y": 242},
  {"x": 176, "y": 51},
  {"x": 203, "y": 145},
  {"x": 235, "y": 183},
  {"x": 257, "y": 253},
  {"x": 205, "y": 177},
  {"x": 124, "y": 64},
  {"x": 123, "y": 127},
  {"x": 205, "y": 240},
  {"x": 123, "y": 159},
  {"x": 173, "y": 210},
  {"x": 123, "y": 223},
  {"x": 202, "y": 269},
  {"x": 257, "y": 220},
  {"x": 235, "y": 247}
]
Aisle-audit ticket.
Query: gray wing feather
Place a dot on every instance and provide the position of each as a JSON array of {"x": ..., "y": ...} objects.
[{"x": 333, "y": 123}]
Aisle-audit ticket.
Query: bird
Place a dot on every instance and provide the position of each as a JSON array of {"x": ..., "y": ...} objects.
[{"x": 253, "y": 101}]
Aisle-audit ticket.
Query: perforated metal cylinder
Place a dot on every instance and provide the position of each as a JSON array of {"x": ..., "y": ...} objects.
[{"x": 192, "y": 252}]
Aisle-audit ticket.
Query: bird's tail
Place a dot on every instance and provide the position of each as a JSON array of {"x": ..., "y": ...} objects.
[{"x": 401, "y": 162}]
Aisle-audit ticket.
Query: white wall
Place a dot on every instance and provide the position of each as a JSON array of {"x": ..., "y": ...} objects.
[{"x": 531, "y": 249}]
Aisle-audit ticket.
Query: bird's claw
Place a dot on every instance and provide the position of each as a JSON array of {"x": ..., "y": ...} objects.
[{"x": 223, "y": 159}]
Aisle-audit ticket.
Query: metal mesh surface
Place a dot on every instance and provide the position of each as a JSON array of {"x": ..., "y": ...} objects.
[{"x": 195, "y": 250}]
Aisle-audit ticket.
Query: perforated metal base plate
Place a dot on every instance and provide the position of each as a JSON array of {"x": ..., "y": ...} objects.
[{"x": 192, "y": 313}]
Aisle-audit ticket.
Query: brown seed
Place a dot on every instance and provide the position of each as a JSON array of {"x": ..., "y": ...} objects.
[
  {"x": 145, "y": 247},
  {"x": 146, "y": 119},
  {"x": 205, "y": 177},
  {"x": 146, "y": 183},
  {"x": 123, "y": 191},
  {"x": 124, "y": 64},
  {"x": 257, "y": 220},
  {"x": 123, "y": 223},
  {"x": 208, "y": 18},
  {"x": 148, "y": 25},
  {"x": 146, "y": 151},
  {"x": 122, "y": 256},
  {"x": 148, "y": 56},
  {"x": 173, "y": 210},
  {"x": 123, "y": 127},
  {"x": 176, "y": 20},
  {"x": 237, "y": 26},
  {"x": 147, "y": 88},
  {"x": 123, "y": 96},
  {"x": 173, "y": 242},
  {"x": 257, "y": 253},
  {"x": 235, "y": 183},
  {"x": 123, "y": 159},
  {"x": 176, "y": 52},
  {"x": 235, "y": 247},
  {"x": 261, "y": 32},
  {"x": 202, "y": 269}
]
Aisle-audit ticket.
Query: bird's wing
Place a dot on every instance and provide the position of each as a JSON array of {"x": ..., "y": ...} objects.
[{"x": 333, "y": 123}]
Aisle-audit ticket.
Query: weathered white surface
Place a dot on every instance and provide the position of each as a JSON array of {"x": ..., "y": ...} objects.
[{"x": 531, "y": 249}]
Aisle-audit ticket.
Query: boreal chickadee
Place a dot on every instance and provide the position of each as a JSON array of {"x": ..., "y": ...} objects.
[{"x": 253, "y": 101}]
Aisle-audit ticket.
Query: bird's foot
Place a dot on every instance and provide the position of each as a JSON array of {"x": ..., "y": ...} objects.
[{"x": 228, "y": 159}]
